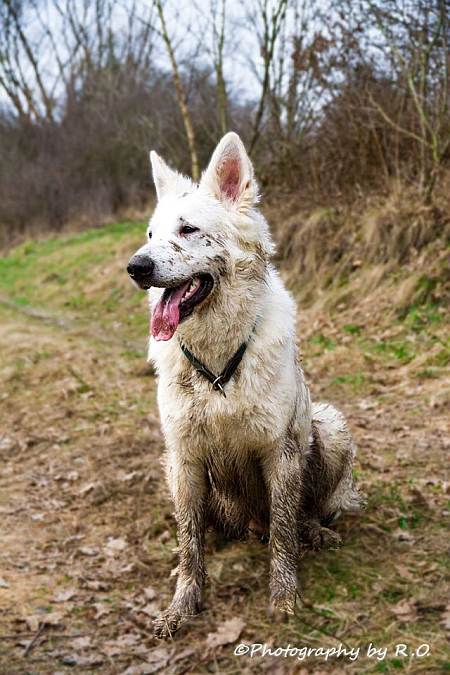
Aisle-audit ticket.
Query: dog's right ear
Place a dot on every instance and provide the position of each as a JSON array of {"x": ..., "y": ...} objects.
[
  {"x": 163, "y": 175},
  {"x": 229, "y": 175}
]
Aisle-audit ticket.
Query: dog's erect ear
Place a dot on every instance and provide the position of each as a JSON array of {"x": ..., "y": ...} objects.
[
  {"x": 229, "y": 175},
  {"x": 163, "y": 175}
]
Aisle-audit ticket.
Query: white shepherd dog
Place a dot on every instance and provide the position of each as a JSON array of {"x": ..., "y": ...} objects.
[{"x": 245, "y": 449}]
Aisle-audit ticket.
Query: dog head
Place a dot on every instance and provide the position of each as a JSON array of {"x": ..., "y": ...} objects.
[{"x": 201, "y": 237}]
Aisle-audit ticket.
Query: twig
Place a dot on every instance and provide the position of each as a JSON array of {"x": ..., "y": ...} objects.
[
  {"x": 59, "y": 636},
  {"x": 32, "y": 642}
]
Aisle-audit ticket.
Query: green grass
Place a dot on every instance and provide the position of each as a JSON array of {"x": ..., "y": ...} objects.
[
  {"x": 352, "y": 329},
  {"x": 427, "y": 374},
  {"x": 353, "y": 381},
  {"x": 400, "y": 350},
  {"x": 420, "y": 317},
  {"x": 325, "y": 343},
  {"x": 389, "y": 664},
  {"x": 64, "y": 261},
  {"x": 80, "y": 275}
]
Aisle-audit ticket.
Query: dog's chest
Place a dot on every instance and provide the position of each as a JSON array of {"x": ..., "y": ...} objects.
[
  {"x": 244, "y": 420},
  {"x": 253, "y": 416}
]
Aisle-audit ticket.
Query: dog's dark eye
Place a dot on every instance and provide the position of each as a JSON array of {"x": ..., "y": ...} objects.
[
  {"x": 188, "y": 229},
  {"x": 149, "y": 235}
]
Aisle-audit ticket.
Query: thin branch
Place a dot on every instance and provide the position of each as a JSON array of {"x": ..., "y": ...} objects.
[{"x": 180, "y": 93}]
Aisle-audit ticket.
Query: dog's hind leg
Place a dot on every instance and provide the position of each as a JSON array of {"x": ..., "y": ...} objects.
[
  {"x": 187, "y": 479},
  {"x": 329, "y": 487},
  {"x": 339, "y": 452}
]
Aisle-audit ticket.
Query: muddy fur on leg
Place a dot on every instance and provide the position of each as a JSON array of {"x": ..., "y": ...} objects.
[{"x": 328, "y": 488}]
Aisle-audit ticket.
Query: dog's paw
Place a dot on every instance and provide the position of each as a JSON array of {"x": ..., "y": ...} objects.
[
  {"x": 285, "y": 605},
  {"x": 167, "y": 623},
  {"x": 317, "y": 537},
  {"x": 325, "y": 538},
  {"x": 283, "y": 600}
]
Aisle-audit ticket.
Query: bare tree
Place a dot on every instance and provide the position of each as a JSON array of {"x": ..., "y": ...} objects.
[
  {"x": 218, "y": 16},
  {"x": 180, "y": 92},
  {"x": 302, "y": 72},
  {"x": 267, "y": 19},
  {"x": 20, "y": 70},
  {"x": 415, "y": 40}
]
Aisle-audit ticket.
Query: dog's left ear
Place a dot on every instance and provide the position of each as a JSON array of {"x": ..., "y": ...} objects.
[
  {"x": 163, "y": 175},
  {"x": 229, "y": 175}
]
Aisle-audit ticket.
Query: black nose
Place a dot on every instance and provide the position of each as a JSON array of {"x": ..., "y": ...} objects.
[{"x": 140, "y": 268}]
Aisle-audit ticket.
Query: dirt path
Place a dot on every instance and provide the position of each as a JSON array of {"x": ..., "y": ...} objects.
[{"x": 88, "y": 539}]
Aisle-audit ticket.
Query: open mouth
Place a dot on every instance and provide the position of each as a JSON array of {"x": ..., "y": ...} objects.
[{"x": 178, "y": 303}]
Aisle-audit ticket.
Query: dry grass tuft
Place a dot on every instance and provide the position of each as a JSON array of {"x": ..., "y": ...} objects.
[{"x": 395, "y": 244}]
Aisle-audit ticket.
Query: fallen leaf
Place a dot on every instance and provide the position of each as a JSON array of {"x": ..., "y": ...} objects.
[
  {"x": 121, "y": 644},
  {"x": 52, "y": 619},
  {"x": 115, "y": 546},
  {"x": 427, "y": 567},
  {"x": 142, "y": 669},
  {"x": 64, "y": 596},
  {"x": 405, "y": 611},
  {"x": 6, "y": 443},
  {"x": 87, "y": 488},
  {"x": 33, "y": 621},
  {"x": 404, "y": 572},
  {"x": 402, "y": 535},
  {"x": 94, "y": 585},
  {"x": 151, "y": 609},
  {"x": 184, "y": 654},
  {"x": 88, "y": 550},
  {"x": 81, "y": 643},
  {"x": 101, "y": 609},
  {"x": 227, "y": 632},
  {"x": 157, "y": 660},
  {"x": 38, "y": 516},
  {"x": 150, "y": 593},
  {"x": 445, "y": 618},
  {"x": 418, "y": 498}
]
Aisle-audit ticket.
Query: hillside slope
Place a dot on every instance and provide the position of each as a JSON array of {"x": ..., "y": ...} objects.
[{"x": 88, "y": 535}]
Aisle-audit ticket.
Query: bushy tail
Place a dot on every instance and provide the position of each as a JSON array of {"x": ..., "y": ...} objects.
[{"x": 335, "y": 452}]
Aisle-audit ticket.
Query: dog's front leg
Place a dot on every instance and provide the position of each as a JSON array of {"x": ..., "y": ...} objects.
[
  {"x": 188, "y": 485},
  {"x": 284, "y": 477}
]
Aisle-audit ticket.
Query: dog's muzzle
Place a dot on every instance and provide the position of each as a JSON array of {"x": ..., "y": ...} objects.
[{"x": 140, "y": 268}]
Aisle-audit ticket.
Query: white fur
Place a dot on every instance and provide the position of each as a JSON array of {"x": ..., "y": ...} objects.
[
  {"x": 259, "y": 404},
  {"x": 256, "y": 440}
]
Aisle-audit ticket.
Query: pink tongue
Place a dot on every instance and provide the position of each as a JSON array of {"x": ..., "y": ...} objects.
[{"x": 166, "y": 315}]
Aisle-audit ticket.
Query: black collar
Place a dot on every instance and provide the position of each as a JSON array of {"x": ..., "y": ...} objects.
[{"x": 218, "y": 381}]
